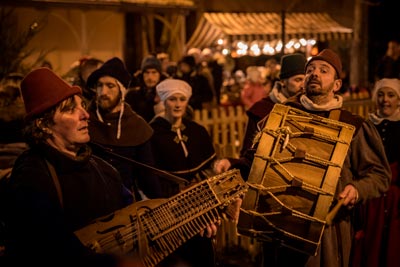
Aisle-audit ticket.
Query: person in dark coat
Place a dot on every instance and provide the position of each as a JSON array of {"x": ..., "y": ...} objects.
[
  {"x": 57, "y": 186},
  {"x": 142, "y": 95},
  {"x": 184, "y": 148},
  {"x": 365, "y": 173},
  {"x": 85, "y": 68},
  {"x": 389, "y": 65},
  {"x": 202, "y": 95},
  {"x": 12, "y": 109},
  {"x": 118, "y": 129},
  {"x": 378, "y": 240},
  {"x": 291, "y": 81},
  {"x": 210, "y": 60}
]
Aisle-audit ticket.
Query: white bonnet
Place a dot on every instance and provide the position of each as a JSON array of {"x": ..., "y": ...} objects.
[
  {"x": 386, "y": 82},
  {"x": 169, "y": 87}
]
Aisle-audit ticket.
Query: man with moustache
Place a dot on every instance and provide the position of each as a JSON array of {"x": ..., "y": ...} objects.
[
  {"x": 365, "y": 173},
  {"x": 118, "y": 129}
]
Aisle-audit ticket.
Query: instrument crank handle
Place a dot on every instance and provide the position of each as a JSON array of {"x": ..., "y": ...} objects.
[{"x": 331, "y": 215}]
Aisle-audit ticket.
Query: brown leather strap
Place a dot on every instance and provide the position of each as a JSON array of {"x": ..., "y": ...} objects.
[
  {"x": 335, "y": 114},
  {"x": 53, "y": 175}
]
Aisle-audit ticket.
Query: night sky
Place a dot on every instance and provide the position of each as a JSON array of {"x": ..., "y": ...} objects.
[{"x": 383, "y": 26}]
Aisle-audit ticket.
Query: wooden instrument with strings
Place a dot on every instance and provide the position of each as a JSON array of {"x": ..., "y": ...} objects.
[
  {"x": 154, "y": 229},
  {"x": 293, "y": 178}
]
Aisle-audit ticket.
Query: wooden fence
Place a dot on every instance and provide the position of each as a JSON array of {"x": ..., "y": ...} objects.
[
  {"x": 226, "y": 126},
  {"x": 360, "y": 106}
]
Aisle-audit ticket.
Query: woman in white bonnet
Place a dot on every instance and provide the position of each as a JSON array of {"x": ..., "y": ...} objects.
[
  {"x": 184, "y": 148},
  {"x": 380, "y": 233},
  {"x": 386, "y": 96}
]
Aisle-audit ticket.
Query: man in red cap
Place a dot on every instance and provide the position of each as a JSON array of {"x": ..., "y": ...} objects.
[
  {"x": 57, "y": 186},
  {"x": 365, "y": 173}
]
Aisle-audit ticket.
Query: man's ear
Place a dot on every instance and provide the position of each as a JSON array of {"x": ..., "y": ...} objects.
[
  {"x": 337, "y": 85},
  {"x": 41, "y": 125}
]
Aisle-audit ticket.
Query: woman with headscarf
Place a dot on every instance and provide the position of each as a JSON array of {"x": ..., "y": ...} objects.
[
  {"x": 379, "y": 239},
  {"x": 184, "y": 148},
  {"x": 181, "y": 146}
]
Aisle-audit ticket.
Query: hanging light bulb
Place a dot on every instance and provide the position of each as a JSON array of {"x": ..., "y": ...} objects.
[
  {"x": 278, "y": 47},
  {"x": 289, "y": 44},
  {"x": 312, "y": 42},
  {"x": 303, "y": 42},
  {"x": 268, "y": 49},
  {"x": 255, "y": 49},
  {"x": 241, "y": 48}
]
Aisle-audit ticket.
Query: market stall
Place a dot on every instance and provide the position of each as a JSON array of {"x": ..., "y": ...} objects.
[{"x": 261, "y": 33}]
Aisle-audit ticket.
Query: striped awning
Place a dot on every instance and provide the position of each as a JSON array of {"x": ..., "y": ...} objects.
[
  {"x": 174, "y": 3},
  {"x": 165, "y": 4},
  {"x": 265, "y": 27}
]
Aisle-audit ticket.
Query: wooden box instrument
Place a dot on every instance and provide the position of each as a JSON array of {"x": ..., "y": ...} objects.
[
  {"x": 153, "y": 229},
  {"x": 293, "y": 178}
]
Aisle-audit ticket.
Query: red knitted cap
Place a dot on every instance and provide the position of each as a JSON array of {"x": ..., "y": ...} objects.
[
  {"x": 42, "y": 89},
  {"x": 331, "y": 57}
]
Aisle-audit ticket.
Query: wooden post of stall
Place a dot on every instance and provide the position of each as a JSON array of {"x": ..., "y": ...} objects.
[{"x": 283, "y": 18}]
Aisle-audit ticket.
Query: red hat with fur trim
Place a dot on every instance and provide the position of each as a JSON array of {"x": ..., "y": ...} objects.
[{"x": 42, "y": 89}]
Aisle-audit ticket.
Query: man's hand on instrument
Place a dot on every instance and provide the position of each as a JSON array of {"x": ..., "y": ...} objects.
[
  {"x": 349, "y": 195},
  {"x": 221, "y": 165},
  {"x": 211, "y": 230}
]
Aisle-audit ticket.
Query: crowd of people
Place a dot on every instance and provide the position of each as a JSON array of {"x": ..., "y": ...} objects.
[{"x": 91, "y": 145}]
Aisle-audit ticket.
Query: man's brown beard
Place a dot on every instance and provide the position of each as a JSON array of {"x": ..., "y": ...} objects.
[
  {"x": 110, "y": 107},
  {"x": 312, "y": 92}
]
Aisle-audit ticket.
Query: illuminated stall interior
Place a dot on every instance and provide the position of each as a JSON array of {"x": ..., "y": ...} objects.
[{"x": 255, "y": 34}]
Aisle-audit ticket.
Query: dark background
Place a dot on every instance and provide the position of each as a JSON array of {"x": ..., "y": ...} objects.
[{"x": 384, "y": 25}]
